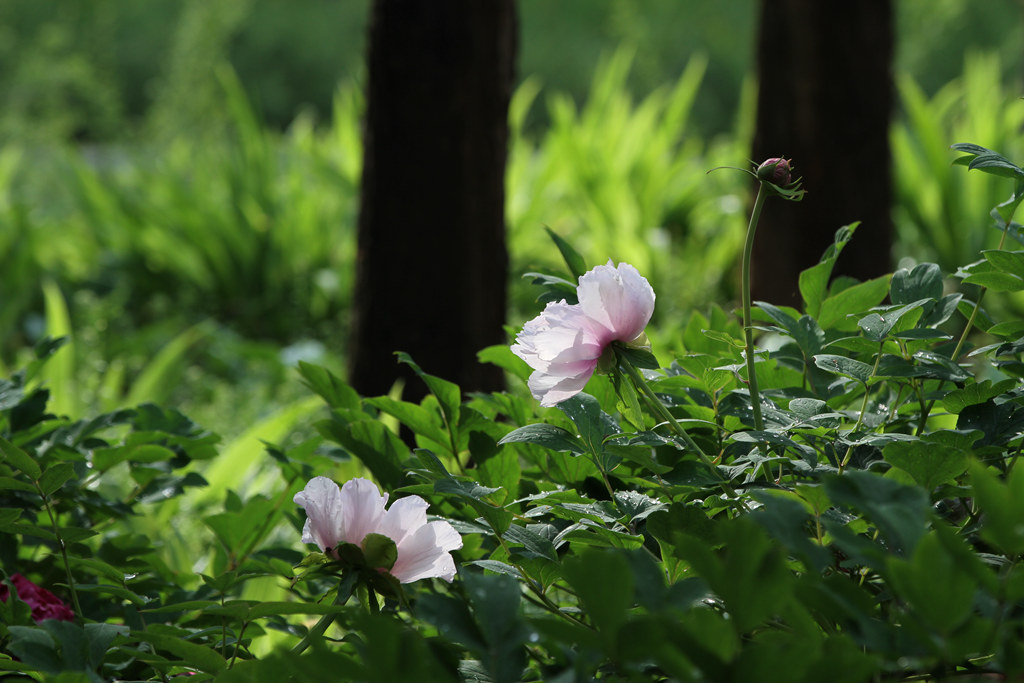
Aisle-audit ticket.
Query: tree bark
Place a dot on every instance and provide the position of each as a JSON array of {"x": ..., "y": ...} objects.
[
  {"x": 432, "y": 266},
  {"x": 826, "y": 94}
]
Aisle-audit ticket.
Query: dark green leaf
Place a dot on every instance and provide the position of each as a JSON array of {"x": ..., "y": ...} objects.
[
  {"x": 448, "y": 394},
  {"x": 415, "y": 417},
  {"x": 986, "y": 274},
  {"x": 380, "y": 449},
  {"x": 12, "y": 484},
  {"x": 199, "y": 656},
  {"x": 638, "y": 357},
  {"x": 577, "y": 266},
  {"x": 535, "y": 544},
  {"x": 669, "y": 526},
  {"x": 549, "y": 436},
  {"x": 973, "y": 394},
  {"x": 929, "y": 463},
  {"x": 1006, "y": 261},
  {"x": 19, "y": 459},
  {"x": 604, "y": 583},
  {"x": 117, "y": 591},
  {"x": 591, "y": 422},
  {"x": 333, "y": 390},
  {"x": 55, "y": 476},
  {"x": 841, "y": 365},
  {"x": 556, "y": 288},
  {"x": 900, "y": 512},
  {"x": 876, "y": 326},
  {"x": 923, "y": 282},
  {"x": 934, "y": 584},
  {"x": 495, "y": 599}
]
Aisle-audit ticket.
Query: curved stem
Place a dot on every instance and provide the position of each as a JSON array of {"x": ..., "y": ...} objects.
[
  {"x": 748, "y": 332},
  {"x": 863, "y": 407},
  {"x": 664, "y": 415},
  {"x": 345, "y": 588},
  {"x": 63, "y": 550}
]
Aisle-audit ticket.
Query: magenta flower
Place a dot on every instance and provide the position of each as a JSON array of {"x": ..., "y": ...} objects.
[
  {"x": 348, "y": 514},
  {"x": 565, "y": 342},
  {"x": 44, "y": 604}
]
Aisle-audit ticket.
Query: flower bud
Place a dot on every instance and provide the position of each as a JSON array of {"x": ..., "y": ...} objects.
[{"x": 776, "y": 171}]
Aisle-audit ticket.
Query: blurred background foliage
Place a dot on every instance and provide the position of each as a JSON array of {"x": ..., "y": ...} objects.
[{"x": 183, "y": 175}]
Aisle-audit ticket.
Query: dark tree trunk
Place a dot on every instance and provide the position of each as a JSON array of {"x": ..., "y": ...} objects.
[
  {"x": 432, "y": 265},
  {"x": 826, "y": 94}
]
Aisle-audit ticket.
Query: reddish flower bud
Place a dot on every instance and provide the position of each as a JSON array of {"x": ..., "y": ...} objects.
[
  {"x": 44, "y": 604},
  {"x": 776, "y": 171}
]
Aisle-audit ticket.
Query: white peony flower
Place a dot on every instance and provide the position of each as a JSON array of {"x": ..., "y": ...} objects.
[
  {"x": 565, "y": 342},
  {"x": 348, "y": 514}
]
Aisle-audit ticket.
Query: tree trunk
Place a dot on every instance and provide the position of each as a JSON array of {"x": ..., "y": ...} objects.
[
  {"x": 432, "y": 266},
  {"x": 826, "y": 94}
]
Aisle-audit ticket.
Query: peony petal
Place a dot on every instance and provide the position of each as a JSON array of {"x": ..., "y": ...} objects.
[
  {"x": 563, "y": 346},
  {"x": 426, "y": 553},
  {"x": 619, "y": 298},
  {"x": 321, "y": 500},
  {"x": 362, "y": 507},
  {"x": 551, "y": 389},
  {"x": 403, "y": 518}
]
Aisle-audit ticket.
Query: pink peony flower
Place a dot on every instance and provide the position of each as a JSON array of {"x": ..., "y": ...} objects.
[
  {"x": 44, "y": 604},
  {"x": 348, "y": 514},
  {"x": 565, "y": 342}
]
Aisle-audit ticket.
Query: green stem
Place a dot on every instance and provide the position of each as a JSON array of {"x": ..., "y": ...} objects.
[
  {"x": 863, "y": 407},
  {"x": 664, "y": 415},
  {"x": 662, "y": 412},
  {"x": 63, "y": 551},
  {"x": 748, "y": 331},
  {"x": 345, "y": 588}
]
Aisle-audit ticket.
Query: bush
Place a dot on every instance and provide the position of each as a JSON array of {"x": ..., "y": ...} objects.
[{"x": 851, "y": 515}]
